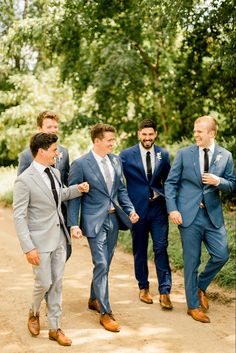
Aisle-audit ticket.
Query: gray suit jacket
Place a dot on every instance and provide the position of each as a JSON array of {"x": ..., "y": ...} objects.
[
  {"x": 95, "y": 204},
  {"x": 62, "y": 162},
  {"x": 184, "y": 189},
  {"x": 36, "y": 216}
]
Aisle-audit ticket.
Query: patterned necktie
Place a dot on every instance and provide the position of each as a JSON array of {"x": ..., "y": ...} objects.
[
  {"x": 53, "y": 186},
  {"x": 206, "y": 160},
  {"x": 107, "y": 174}
]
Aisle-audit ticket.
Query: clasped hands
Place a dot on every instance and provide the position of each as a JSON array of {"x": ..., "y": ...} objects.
[
  {"x": 83, "y": 187},
  {"x": 210, "y": 179}
]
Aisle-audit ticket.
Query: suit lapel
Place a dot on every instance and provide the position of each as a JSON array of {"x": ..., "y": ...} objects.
[
  {"x": 96, "y": 170},
  {"x": 138, "y": 159},
  {"x": 195, "y": 158},
  {"x": 158, "y": 160},
  {"x": 37, "y": 178},
  {"x": 217, "y": 154}
]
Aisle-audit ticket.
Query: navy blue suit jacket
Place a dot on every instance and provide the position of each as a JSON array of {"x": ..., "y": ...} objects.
[{"x": 136, "y": 179}]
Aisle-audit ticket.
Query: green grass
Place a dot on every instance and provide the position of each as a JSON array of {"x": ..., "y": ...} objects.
[{"x": 225, "y": 278}]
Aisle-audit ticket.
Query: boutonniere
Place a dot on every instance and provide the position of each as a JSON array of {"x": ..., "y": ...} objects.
[
  {"x": 158, "y": 155},
  {"x": 218, "y": 158}
]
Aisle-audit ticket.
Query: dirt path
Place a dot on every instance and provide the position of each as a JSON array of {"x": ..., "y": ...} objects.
[{"x": 145, "y": 328}]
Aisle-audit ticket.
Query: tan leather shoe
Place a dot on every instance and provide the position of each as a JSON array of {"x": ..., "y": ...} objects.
[
  {"x": 165, "y": 301},
  {"x": 33, "y": 324},
  {"x": 203, "y": 299},
  {"x": 108, "y": 321},
  {"x": 93, "y": 304},
  {"x": 145, "y": 296},
  {"x": 59, "y": 336},
  {"x": 198, "y": 315}
]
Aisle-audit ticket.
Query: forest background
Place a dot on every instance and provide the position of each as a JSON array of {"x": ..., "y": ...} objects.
[{"x": 118, "y": 61}]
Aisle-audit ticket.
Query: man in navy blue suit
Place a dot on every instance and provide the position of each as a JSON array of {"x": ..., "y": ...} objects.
[
  {"x": 198, "y": 174},
  {"x": 146, "y": 167}
]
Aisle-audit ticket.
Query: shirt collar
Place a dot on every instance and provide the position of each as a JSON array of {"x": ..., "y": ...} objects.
[
  {"x": 99, "y": 158},
  {"x": 211, "y": 148},
  {"x": 40, "y": 167},
  {"x": 144, "y": 150}
]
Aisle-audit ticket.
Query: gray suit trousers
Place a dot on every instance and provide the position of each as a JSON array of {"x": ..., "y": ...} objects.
[{"x": 48, "y": 279}]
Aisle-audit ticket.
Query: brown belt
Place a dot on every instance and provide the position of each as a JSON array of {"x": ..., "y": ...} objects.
[
  {"x": 202, "y": 205},
  {"x": 112, "y": 210}
]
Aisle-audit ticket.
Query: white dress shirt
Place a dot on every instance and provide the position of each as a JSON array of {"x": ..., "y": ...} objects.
[
  {"x": 143, "y": 152},
  {"x": 99, "y": 162},
  {"x": 201, "y": 156},
  {"x": 41, "y": 169}
]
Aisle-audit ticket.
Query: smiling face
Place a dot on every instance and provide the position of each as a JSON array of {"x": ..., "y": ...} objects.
[
  {"x": 203, "y": 134},
  {"x": 47, "y": 157},
  {"x": 105, "y": 145},
  {"x": 49, "y": 126},
  {"x": 147, "y": 137}
]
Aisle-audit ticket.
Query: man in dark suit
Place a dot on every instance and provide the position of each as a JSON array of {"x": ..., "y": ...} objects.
[
  {"x": 47, "y": 122},
  {"x": 146, "y": 167},
  {"x": 198, "y": 174},
  {"x": 103, "y": 210}
]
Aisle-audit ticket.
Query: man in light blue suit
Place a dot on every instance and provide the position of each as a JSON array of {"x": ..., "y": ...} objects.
[
  {"x": 198, "y": 174},
  {"x": 47, "y": 122},
  {"x": 104, "y": 210}
]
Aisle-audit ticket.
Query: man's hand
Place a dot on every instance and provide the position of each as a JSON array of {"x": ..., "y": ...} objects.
[
  {"x": 210, "y": 179},
  {"x": 76, "y": 232},
  {"x": 175, "y": 217},
  {"x": 33, "y": 257},
  {"x": 83, "y": 187},
  {"x": 134, "y": 217}
]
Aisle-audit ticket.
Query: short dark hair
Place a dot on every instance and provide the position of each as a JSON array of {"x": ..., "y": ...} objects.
[
  {"x": 147, "y": 123},
  {"x": 41, "y": 140},
  {"x": 46, "y": 115},
  {"x": 98, "y": 130}
]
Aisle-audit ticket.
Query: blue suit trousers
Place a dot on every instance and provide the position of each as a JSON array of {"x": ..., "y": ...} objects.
[
  {"x": 102, "y": 249},
  {"x": 215, "y": 240},
  {"x": 155, "y": 223}
]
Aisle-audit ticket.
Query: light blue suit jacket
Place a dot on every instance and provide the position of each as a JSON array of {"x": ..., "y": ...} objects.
[
  {"x": 184, "y": 190},
  {"x": 95, "y": 204},
  {"x": 62, "y": 162}
]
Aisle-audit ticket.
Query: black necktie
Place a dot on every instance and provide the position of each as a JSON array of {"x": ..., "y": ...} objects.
[
  {"x": 53, "y": 186},
  {"x": 149, "y": 172},
  {"x": 206, "y": 160},
  {"x": 149, "y": 166}
]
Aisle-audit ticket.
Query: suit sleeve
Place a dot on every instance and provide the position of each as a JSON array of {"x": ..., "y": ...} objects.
[
  {"x": 172, "y": 183},
  {"x": 21, "y": 198},
  {"x": 23, "y": 164},
  {"x": 73, "y": 206},
  {"x": 67, "y": 168},
  {"x": 123, "y": 197},
  {"x": 228, "y": 181}
]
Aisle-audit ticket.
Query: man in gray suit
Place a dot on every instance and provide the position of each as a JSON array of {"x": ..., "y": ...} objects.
[
  {"x": 40, "y": 226},
  {"x": 198, "y": 174},
  {"x": 104, "y": 210}
]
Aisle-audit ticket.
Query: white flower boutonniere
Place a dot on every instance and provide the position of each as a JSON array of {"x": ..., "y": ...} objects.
[
  {"x": 218, "y": 158},
  {"x": 158, "y": 156}
]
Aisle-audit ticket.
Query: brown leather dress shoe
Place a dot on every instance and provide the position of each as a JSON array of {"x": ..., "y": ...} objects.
[
  {"x": 93, "y": 304},
  {"x": 33, "y": 324},
  {"x": 59, "y": 336},
  {"x": 145, "y": 296},
  {"x": 198, "y": 315},
  {"x": 165, "y": 302},
  {"x": 108, "y": 321},
  {"x": 203, "y": 299}
]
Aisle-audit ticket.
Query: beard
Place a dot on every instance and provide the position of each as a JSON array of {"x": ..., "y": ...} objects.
[{"x": 147, "y": 144}]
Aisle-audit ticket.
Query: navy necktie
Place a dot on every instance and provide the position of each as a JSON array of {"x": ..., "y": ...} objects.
[
  {"x": 149, "y": 166},
  {"x": 53, "y": 186}
]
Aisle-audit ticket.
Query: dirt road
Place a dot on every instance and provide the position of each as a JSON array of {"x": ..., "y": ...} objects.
[{"x": 145, "y": 328}]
